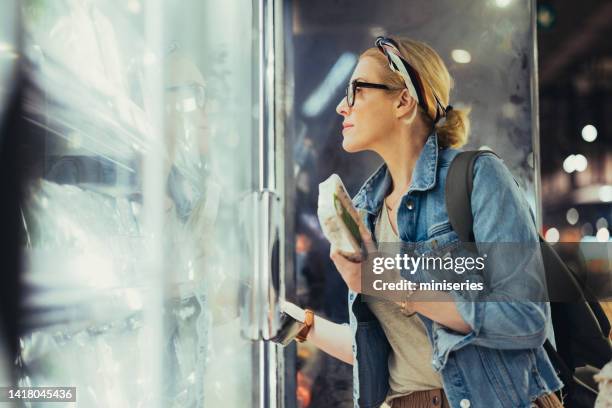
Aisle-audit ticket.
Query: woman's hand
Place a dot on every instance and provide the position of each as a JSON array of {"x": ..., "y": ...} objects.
[{"x": 349, "y": 270}]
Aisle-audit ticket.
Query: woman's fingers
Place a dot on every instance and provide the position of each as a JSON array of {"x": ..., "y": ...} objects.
[
  {"x": 349, "y": 270},
  {"x": 341, "y": 261},
  {"x": 366, "y": 237},
  {"x": 338, "y": 259},
  {"x": 369, "y": 245}
]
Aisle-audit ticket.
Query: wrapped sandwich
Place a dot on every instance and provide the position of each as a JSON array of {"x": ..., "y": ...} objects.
[
  {"x": 340, "y": 220},
  {"x": 604, "y": 379}
]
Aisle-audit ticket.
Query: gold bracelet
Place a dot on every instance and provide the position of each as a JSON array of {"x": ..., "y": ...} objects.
[{"x": 405, "y": 304}]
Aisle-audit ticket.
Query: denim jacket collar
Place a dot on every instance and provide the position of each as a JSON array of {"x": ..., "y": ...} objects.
[{"x": 374, "y": 190}]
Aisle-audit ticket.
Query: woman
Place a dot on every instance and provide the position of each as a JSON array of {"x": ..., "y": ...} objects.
[{"x": 444, "y": 353}]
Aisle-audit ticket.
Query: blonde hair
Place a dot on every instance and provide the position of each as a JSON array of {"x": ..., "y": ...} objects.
[{"x": 452, "y": 132}]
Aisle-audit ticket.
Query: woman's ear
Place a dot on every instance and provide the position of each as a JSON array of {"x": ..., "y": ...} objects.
[{"x": 406, "y": 107}]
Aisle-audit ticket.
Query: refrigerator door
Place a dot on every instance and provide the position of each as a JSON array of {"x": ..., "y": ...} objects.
[{"x": 139, "y": 132}]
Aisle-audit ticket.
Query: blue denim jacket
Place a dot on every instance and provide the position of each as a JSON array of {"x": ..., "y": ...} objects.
[{"x": 501, "y": 362}]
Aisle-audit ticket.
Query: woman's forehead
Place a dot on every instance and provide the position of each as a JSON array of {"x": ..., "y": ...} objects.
[{"x": 367, "y": 69}]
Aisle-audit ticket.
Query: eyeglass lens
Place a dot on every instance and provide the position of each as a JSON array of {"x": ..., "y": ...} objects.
[{"x": 350, "y": 94}]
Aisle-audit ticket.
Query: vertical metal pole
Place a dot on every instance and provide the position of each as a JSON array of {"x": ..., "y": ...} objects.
[
  {"x": 535, "y": 114},
  {"x": 267, "y": 195},
  {"x": 262, "y": 377},
  {"x": 267, "y": 180}
]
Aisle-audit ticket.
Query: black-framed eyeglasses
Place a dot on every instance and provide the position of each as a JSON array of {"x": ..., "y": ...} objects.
[
  {"x": 188, "y": 97},
  {"x": 351, "y": 89}
]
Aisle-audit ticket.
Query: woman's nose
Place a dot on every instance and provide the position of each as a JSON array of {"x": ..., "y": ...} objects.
[{"x": 342, "y": 108}]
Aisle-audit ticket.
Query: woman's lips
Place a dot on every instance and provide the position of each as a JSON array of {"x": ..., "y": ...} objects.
[{"x": 346, "y": 125}]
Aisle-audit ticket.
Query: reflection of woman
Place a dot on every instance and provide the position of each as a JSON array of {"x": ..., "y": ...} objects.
[{"x": 424, "y": 354}]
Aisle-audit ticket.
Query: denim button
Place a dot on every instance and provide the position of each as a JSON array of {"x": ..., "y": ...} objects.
[
  {"x": 351, "y": 296},
  {"x": 410, "y": 205},
  {"x": 465, "y": 403}
]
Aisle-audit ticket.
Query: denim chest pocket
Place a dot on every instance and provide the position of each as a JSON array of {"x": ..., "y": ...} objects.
[
  {"x": 438, "y": 228},
  {"x": 433, "y": 252},
  {"x": 440, "y": 239}
]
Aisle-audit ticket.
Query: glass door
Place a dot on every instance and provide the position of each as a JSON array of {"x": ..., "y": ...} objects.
[
  {"x": 485, "y": 44},
  {"x": 148, "y": 187}
]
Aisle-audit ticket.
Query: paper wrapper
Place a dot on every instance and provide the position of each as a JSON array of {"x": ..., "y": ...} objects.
[
  {"x": 604, "y": 378},
  {"x": 340, "y": 220}
]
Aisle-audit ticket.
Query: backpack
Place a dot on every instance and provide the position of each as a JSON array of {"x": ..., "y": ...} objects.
[{"x": 581, "y": 326}]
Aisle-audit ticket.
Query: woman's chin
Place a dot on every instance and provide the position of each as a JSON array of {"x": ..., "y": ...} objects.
[{"x": 350, "y": 147}]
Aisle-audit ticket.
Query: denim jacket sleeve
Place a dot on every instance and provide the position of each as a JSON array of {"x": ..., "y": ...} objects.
[{"x": 501, "y": 214}]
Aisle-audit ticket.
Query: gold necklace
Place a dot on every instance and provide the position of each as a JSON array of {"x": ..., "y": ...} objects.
[{"x": 389, "y": 207}]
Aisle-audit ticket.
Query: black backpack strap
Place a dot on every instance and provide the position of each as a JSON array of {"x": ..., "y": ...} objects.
[{"x": 458, "y": 189}]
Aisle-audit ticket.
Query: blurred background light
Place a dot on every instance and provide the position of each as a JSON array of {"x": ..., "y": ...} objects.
[
  {"x": 552, "y": 235},
  {"x": 603, "y": 235},
  {"x": 572, "y": 216},
  {"x": 589, "y": 133},
  {"x": 580, "y": 162},
  {"x": 568, "y": 164},
  {"x": 461, "y": 56},
  {"x": 546, "y": 16},
  {"x": 587, "y": 229},
  {"x": 575, "y": 162},
  {"x": 601, "y": 223},
  {"x": 605, "y": 194}
]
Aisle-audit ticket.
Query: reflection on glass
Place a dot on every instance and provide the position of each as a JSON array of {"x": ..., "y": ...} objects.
[
  {"x": 208, "y": 136},
  {"x": 86, "y": 245},
  {"x": 92, "y": 296}
]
